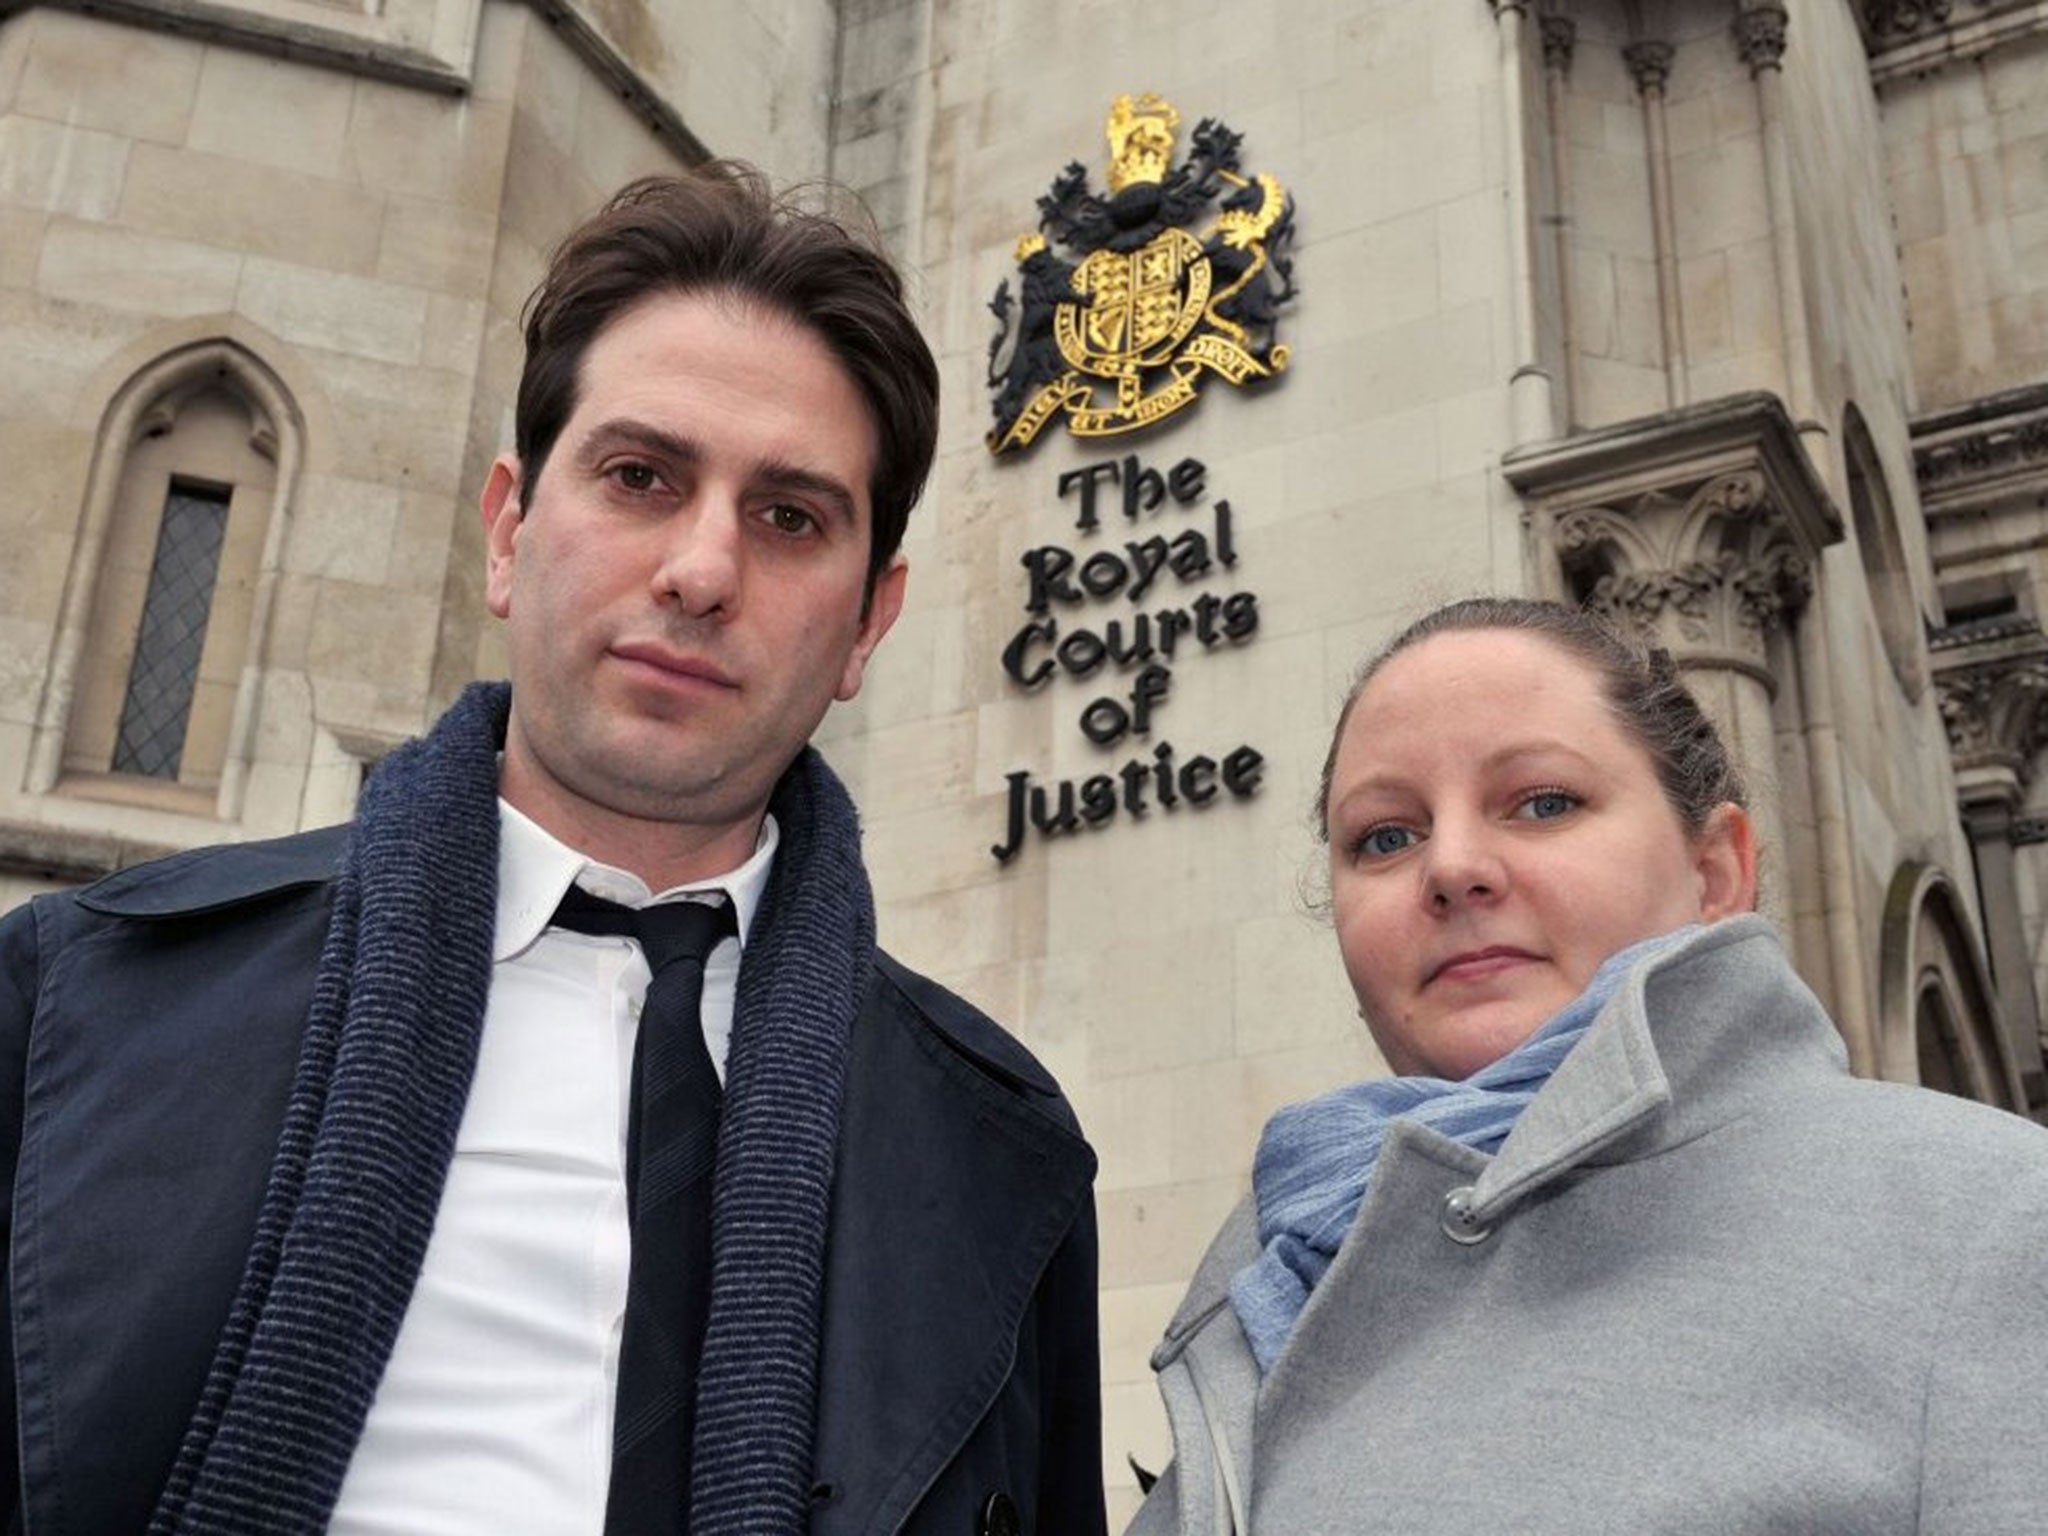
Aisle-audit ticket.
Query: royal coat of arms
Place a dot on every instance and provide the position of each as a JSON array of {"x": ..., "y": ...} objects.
[{"x": 1124, "y": 333}]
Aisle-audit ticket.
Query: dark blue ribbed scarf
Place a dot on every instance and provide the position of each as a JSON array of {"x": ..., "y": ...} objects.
[{"x": 369, "y": 1129}]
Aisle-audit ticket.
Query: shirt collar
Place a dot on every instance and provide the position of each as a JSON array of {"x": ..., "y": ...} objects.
[{"x": 536, "y": 868}]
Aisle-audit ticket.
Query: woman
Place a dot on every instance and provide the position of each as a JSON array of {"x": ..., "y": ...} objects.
[{"x": 1625, "y": 1248}]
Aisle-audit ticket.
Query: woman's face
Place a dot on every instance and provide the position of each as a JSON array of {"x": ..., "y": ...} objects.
[{"x": 1494, "y": 835}]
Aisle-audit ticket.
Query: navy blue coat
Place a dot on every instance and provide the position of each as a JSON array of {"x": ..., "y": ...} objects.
[{"x": 149, "y": 1029}]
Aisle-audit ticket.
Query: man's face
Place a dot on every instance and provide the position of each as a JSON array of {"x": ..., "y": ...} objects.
[{"x": 684, "y": 588}]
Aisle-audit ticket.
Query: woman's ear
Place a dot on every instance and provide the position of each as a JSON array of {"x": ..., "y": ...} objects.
[{"x": 1724, "y": 854}]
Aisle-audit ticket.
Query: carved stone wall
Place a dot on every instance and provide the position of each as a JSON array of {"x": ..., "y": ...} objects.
[{"x": 1983, "y": 479}]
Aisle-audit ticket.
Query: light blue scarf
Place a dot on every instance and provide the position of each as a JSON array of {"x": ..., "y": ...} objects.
[{"x": 1316, "y": 1160}]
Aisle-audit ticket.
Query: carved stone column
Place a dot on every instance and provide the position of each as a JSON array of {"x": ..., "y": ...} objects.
[
  {"x": 1649, "y": 65},
  {"x": 1993, "y": 684},
  {"x": 1760, "y": 40},
  {"x": 1697, "y": 529},
  {"x": 1560, "y": 35},
  {"x": 1531, "y": 392}
]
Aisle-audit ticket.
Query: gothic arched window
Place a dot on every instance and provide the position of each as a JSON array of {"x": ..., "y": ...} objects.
[{"x": 152, "y": 684}]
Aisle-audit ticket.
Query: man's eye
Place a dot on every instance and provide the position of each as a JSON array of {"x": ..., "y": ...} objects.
[
  {"x": 636, "y": 477},
  {"x": 789, "y": 518}
]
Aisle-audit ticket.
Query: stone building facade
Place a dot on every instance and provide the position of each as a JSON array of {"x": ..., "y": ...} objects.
[{"x": 1728, "y": 318}]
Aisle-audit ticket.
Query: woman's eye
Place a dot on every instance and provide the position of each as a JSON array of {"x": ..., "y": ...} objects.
[
  {"x": 1548, "y": 804},
  {"x": 1382, "y": 841}
]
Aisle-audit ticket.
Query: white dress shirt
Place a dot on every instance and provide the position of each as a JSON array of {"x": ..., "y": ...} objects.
[{"x": 495, "y": 1411}]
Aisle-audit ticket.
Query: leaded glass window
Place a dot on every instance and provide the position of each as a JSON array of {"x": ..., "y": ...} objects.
[{"x": 165, "y": 670}]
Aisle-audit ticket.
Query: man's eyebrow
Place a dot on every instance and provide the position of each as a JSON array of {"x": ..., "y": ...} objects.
[
  {"x": 625, "y": 432},
  {"x": 774, "y": 475}
]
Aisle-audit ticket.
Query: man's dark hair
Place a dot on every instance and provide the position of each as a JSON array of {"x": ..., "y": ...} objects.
[{"x": 720, "y": 228}]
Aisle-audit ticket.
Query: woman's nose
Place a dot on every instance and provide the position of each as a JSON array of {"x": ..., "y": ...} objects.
[{"x": 1462, "y": 865}]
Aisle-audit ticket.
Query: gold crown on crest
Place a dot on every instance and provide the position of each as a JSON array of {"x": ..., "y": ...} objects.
[{"x": 1140, "y": 130}]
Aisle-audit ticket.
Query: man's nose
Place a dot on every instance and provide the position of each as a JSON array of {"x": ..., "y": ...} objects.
[{"x": 700, "y": 563}]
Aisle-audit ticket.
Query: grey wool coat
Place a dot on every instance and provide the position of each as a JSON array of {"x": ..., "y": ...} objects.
[{"x": 1710, "y": 1284}]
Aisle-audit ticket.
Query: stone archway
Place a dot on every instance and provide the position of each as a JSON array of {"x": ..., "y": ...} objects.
[{"x": 1938, "y": 1019}]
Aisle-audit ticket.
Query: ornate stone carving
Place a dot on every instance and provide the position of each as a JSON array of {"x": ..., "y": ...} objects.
[
  {"x": 1909, "y": 38},
  {"x": 1708, "y": 570},
  {"x": 1982, "y": 468},
  {"x": 1760, "y": 36},
  {"x": 1890, "y": 20},
  {"x": 1559, "y": 34},
  {"x": 1994, "y": 714},
  {"x": 1992, "y": 678},
  {"x": 1649, "y": 65},
  {"x": 1997, "y": 447},
  {"x": 1699, "y": 528}
]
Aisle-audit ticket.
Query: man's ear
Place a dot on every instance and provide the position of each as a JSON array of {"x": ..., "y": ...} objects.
[
  {"x": 503, "y": 515},
  {"x": 884, "y": 603},
  {"x": 1724, "y": 853}
]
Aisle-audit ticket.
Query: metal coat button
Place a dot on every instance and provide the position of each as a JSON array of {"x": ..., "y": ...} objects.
[
  {"x": 1460, "y": 1224},
  {"x": 999, "y": 1517}
]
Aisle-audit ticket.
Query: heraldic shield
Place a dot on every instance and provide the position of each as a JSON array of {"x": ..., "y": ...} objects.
[{"x": 1125, "y": 335}]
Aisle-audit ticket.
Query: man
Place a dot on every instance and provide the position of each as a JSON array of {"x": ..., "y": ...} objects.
[{"x": 339, "y": 1159}]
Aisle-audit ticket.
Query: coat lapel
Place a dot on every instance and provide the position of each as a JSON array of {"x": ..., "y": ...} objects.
[{"x": 957, "y": 1180}]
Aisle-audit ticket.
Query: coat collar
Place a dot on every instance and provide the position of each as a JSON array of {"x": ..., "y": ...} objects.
[
  {"x": 1657, "y": 1067},
  {"x": 1675, "y": 1053},
  {"x": 216, "y": 877},
  {"x": 1692, "y": 1040}
]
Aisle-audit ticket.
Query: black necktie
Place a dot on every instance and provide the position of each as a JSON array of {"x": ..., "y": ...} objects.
[{"x": 671, "y": 1149}]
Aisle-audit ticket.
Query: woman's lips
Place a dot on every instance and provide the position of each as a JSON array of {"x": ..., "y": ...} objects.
[{"x": 1477, "y": 964}]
